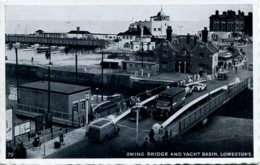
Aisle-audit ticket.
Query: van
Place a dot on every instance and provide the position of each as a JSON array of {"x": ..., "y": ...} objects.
[
  {"x": 102, "y": 129},
  {"x": 144, "y": 112}
]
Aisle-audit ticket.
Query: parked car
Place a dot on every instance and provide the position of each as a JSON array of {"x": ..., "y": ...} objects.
[
  {"x": 144, "y": 112},
  {"x": 200, "y": 87}
]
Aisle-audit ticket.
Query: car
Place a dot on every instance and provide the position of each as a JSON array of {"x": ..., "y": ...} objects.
[
  {"x": 200, "y": 87},
  {"x": 144, "y": 112}
]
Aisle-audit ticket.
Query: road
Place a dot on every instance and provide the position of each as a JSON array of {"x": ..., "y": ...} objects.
[{"x": 126, "y": 141}]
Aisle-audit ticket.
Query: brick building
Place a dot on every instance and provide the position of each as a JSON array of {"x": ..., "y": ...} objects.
[
  {"x": 187, "y": 54},
  {"x": 67, "y": 102},
  {"x": 231, "y": 22}
]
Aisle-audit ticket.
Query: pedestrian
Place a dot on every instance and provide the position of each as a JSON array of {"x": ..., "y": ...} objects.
[
  {"x": 151, "y": 136},
  {"x": 161, "y": 132},
  {"x": 145, "y": 145},
  {"x": 236, "y": 68},
  {"x": 166, "y": 136},
  {"x": 61, "y": 136}
]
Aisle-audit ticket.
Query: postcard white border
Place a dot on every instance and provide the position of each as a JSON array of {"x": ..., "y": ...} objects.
[{"x": 256, "y": 14}]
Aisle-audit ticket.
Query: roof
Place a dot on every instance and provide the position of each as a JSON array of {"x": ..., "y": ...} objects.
[
  {"x": 139, "y": 62},
  {"x": 173, "y": 91},
  {"x": 112, "y": 60},
  {"x": 55, "y": 87},
  {"x": 101, "y": 122},
  {"x": 136, "y": 31},
  {"x": 78, "y": 32}
]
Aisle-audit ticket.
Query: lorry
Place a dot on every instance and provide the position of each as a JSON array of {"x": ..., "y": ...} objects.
[
  {"x": 168, "y": 102},
  {"x": 102, "y": 129}
]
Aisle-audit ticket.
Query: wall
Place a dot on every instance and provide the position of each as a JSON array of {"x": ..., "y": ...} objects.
[{"x": 118, "y": 82}]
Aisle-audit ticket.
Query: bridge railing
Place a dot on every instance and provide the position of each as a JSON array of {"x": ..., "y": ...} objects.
[{"x": 181, "y": 125}]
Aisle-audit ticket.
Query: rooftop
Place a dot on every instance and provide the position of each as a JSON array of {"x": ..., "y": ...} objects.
[
  {"x": 55, "y": 87},
  {"x": 101, "y": 122}
]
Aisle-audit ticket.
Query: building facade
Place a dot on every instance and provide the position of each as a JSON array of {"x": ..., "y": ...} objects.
[
  {"x": 187, "y": 54},
  {"x": 229, "y": 21},
  {"x": 68, "y": 103},
  {"x": 157, "y": 24},
  {"x": 136, "y": 38}
]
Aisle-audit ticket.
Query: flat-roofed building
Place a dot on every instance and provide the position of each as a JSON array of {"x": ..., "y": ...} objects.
[{"x": 67, "y": 102}]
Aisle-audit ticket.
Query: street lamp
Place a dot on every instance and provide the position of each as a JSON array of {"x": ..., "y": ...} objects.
[
  {"x": 138, "y": 106},
  {"x": 87, "y": 107}
]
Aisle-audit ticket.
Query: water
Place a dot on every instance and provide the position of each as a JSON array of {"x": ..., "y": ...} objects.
[{"x": 97, "y": 26}]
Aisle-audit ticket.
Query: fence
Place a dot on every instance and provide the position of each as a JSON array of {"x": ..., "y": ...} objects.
[
  {"x": 58, "y": 117},
  {"x": 180, "y": 126}
]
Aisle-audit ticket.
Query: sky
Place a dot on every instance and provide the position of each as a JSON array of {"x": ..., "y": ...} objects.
[{"x": 118, "y": 13}]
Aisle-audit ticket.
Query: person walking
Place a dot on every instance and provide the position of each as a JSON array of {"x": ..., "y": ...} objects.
[
  {"x": 61, "y": 137},
  {"x": 151, "y": 136}
]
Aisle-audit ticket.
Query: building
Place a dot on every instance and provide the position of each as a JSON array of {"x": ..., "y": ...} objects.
[
  {"x": 79, "y": 34},
  {"x": 135, "y": 38},
  {"x": 231, "y": 22},
  {"x": 141, "y": 68},
  {"x": 187, "y": 54},
  {"x": 67, "y": 102},
  {"x": 157, "y": 24},
  {"x": 104, "y": 36},
  {"x": 41, "y": 33}
]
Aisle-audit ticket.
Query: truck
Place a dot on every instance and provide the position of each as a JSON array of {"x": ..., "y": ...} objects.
[
  {"x": 102, "y": 129},
  {"x": 168, "y": 102}
]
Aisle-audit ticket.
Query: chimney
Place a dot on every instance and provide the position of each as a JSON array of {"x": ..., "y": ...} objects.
[
  {"x": 195, "y": 39},
  {"x": 188, "y": 38},
  {"x": 205, "y": 35},
  {"x": 142, "y": 32},
  {"x": 217, "y": 12},
  {"x": 78, "y": 28},
  {"x": 169, "y": 33}
]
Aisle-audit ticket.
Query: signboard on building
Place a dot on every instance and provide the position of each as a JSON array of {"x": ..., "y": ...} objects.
[
  {"x": 9, "y": 124},
  {"x": 22, "y": 128}
]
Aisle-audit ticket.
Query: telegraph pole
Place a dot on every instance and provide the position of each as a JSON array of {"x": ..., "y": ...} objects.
[
  {"x": 17, "y": 75},
  {"x": 102, "y": 89},
  {"x": 49, "y": 115},
  {"x": 76, "y": 64}
]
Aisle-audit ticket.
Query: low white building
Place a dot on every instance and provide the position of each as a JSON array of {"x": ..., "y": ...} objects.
[
  {"x": 136, "y": 38},
  {"x": 104, "y": 36},
  {"x": 215, "y": 36}
]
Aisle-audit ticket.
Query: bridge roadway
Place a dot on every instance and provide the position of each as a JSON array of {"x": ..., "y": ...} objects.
[
  {"x": 118, "y": 146},
  {"x": 146, "y": 124}
]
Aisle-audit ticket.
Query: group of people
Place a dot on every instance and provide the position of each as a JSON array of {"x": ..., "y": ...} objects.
[
  {"x": 36, "y": 141},
  {"x": 163, "y": 136}
]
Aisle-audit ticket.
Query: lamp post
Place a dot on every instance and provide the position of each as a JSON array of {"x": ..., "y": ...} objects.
[
  {"x": 17, "y": 75},
  {"x": 87, "y": 107},
  {"x": 138, "y": 106}
]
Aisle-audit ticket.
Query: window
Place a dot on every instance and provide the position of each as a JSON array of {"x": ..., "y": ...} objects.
[
  {"x": 154, "y": 29},
  {"x": 75, "y": 106},
  {"x": 83, "y": 105},
  {"x": 201, "y": 54},
  {"x": 130, "y": 65},
  {"x": 130, "y": 37},
  {"x": 123, "y": 37},
  {"x": 159, "y": 29}
]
